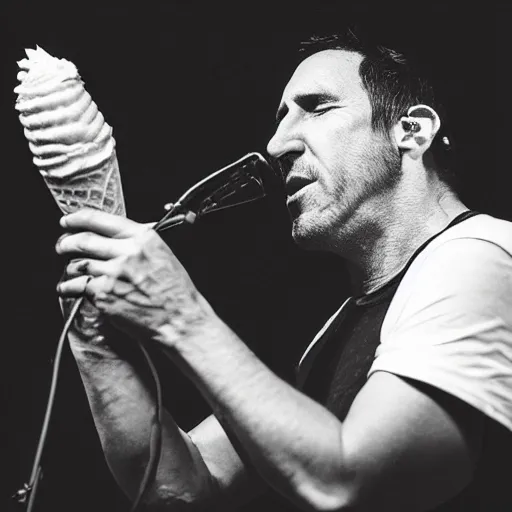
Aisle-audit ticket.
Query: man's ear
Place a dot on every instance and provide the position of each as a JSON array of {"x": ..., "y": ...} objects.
[{"x": 414, "y": 134}]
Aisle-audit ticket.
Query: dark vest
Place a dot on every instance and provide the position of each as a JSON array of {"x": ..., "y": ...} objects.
[{"x": 345, "y": 351}]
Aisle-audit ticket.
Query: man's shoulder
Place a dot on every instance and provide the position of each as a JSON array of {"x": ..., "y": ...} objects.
[
  {"x": 449, "y": 323},
  {"x": 481, "y": 227},
  {"x": 467, "y": 263},
  {"x": 478, "y": 244},
  {"x": 467, "y": 254}
]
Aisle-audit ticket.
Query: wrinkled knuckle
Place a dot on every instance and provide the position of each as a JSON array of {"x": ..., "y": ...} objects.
[
  {"x": 79, "y": 267},
  {"x": 91, "y": 289},
  {"x": 106, "y": 287}
]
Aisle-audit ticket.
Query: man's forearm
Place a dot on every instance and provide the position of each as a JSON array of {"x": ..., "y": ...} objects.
[
  {"x": 123, "y": 412},
  {"x": 294, "y": 442}
]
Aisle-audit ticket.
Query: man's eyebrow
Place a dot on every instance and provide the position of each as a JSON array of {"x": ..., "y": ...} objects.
[{"x": 306, "y": 101}]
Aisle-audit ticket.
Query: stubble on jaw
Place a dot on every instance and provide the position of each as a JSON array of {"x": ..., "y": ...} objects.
[{"x": 382, "y": 171}]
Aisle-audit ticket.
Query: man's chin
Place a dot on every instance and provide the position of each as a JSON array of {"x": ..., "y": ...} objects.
[{"x": 305, "y": 237}]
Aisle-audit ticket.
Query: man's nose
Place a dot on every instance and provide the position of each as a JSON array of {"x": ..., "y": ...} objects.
[{"x": 285, "y": 140}]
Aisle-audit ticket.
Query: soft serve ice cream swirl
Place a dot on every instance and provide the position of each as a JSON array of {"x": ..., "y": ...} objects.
[
  {"x": 65, "y": 130},
  {"x": 71, "y": 144}
]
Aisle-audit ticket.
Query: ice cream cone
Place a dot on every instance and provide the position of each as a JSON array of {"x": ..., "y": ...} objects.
[
  {"x": 71, "y": 144},
  {"x": 74, "y": 150}
]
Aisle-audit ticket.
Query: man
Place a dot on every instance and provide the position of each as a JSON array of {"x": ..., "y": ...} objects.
[{"x": 405, "y": 397}]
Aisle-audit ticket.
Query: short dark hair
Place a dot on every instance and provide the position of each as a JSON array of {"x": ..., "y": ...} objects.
[{"x": 394, "y": 83}]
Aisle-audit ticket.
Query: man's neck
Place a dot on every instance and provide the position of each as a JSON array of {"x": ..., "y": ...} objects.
[{"x": 397, "y": 229}]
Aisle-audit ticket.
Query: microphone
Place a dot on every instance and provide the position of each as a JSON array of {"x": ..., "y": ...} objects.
[
  {"x": 242, "y": 181},
  {"x": 72, "y": 145}
]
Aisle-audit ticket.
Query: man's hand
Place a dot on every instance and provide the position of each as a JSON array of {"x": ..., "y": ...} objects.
[{"x": 128, "y": 272}]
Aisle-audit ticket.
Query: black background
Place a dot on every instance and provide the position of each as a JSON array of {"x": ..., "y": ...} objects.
[{"x": 189, "y": 87}]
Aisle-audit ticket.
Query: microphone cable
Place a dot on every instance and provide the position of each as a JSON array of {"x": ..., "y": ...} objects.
[
  {"x": 27, "y": 493},
  {"x": 238, "y": 183}
]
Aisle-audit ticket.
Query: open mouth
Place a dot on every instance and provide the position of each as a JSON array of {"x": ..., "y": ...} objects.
[{"x": 296, "y": 183}]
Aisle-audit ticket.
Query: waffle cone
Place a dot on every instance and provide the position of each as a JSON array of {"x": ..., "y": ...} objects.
[
  {"x": 71, "y": 143},
  {"x": 74, "y": 150},
  {"x": 97, "y": 187}
]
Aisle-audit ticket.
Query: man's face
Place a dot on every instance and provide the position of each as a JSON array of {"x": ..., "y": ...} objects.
[{"x": 335, "y": 165}]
